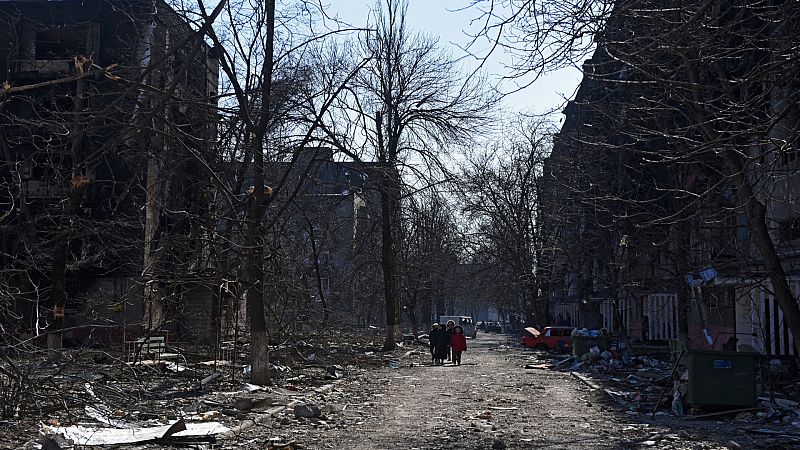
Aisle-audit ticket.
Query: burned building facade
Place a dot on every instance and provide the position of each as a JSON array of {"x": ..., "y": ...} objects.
[
  {"x": 660, "y": 165},
  {"x": 102, "y": 106}
]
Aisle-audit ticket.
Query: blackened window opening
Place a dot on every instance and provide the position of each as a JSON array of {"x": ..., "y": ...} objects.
[{"x": 60, "y": 43}]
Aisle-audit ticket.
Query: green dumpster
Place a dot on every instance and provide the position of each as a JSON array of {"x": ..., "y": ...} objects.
[
  {"x": 582, "y": 344},
  {"x": 721, "y": 378}
]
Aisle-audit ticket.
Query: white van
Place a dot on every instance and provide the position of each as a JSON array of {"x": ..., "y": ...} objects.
[{"x": 465, "y": 322}]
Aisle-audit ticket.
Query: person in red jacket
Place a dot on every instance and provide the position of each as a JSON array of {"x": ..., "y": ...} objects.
[{"x": 458, "y": 343}]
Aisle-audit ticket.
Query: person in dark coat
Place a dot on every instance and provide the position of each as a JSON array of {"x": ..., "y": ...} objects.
[
  {"x": 433, "y": 336},
  {"x": 442, "y": 344},
  {"x": 458, "y": 344},
  {"x": 449, "y": 331}
]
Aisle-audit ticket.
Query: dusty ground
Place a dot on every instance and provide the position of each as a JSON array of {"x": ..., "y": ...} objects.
[
  {"x": 491, "y": 401},
  {"x": 375, "y": 400}
]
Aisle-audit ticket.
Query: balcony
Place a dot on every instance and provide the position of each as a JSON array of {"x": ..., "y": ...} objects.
[
  {"x": 41, "y": 190},
  {"x": 42, "y": 68}
]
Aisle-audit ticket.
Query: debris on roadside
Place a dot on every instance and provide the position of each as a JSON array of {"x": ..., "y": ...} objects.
[
  {"x": 78, "y": 402},
  {"x": 79, "y": 435},
  {"x": 635, "y": 384}
]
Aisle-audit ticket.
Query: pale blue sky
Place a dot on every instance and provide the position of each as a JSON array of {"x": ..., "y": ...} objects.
[{"x": 445, "y": 20}]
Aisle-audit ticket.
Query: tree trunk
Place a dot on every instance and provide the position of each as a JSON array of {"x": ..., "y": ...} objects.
[
  {"x": 619, "y": 324},
  {"x": 545, "y": 302},
  {"x": 412, "y": 314},
  {"x": 153, "y": 307},
  {"x": 254, "y": 283},
  {"x": 387, "y": 265},
  {"x": 684, "y": 306},
  {"x": 259, "y": 344},
  {"x": 75, "y": 189},
  {"x": 757, "y": 224},
  {"x": 756, "y": 214},
  {"x": 318, "y": 274},
  {"x": 427, "y": 314},
  {"x": 589, "y": 310},
  {"x": 390, "y": 222},
  {"x": 254, "y": 245},
  {"x": 58, "y": 295}
]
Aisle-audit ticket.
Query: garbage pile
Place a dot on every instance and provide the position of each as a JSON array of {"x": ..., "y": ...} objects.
[
  {"x": 656, "y": 384},
  {"x": 633, "y": 382}
]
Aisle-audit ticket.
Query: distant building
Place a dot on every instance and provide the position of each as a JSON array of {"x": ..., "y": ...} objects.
[{"x": 334, "y": 221}]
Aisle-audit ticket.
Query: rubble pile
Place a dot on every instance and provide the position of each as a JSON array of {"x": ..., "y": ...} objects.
[
  {"x": 650, "y": 385},
  {"x": 91, "y": 398},
  {"x": 633, "y": 382}
]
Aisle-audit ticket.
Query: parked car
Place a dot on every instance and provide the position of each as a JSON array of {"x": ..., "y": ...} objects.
[
  {"x": 550, "y": 338},
  {"x": 493, "y": 327}
]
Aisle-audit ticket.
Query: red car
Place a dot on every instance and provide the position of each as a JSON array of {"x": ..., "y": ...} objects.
[{"x": 551, "y": 338}]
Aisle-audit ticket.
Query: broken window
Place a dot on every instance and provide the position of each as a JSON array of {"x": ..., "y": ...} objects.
[
  {"x": 789, "y": 154},
  {"x": 324, "y": 258},
  {"x": 325, "y": 284},
  {"x": 60, "y": 43},
  {"x": 50, "y": 50},
  {"x": 790, "y": 230}
]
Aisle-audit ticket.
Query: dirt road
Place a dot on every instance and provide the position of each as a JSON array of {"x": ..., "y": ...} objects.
[
  {"x": 491, "y": 401},
  {"x": 486, "y": 401}
]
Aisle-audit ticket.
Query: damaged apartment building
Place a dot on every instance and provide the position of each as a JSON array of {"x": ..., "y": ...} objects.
[
  {"x": 649, "y": 234},
  {"x": 324, "y": 263},
  {"x": 103, "y": 207}
]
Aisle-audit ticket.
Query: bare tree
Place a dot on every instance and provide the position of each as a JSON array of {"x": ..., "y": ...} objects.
[
  {"x": 430, "y": 258},
  {"x": 412, "y": 106},
  {"x": 275, "y": 108},
  {"x": 501, "y": 196}
]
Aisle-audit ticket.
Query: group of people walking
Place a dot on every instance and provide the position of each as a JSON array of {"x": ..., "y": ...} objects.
[{"x": 447, "y": 342}]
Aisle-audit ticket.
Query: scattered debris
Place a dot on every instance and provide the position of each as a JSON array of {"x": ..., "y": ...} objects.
[
  {"x": 82, "y": 435},
  {"x": 243, "y": 404},
  {"x": 334, "y": 372},
  {"x": 306, "y": 411}
]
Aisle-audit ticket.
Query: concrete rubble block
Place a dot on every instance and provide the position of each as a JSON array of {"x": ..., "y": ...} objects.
[
  {"x": 335, "y": 371},
  {"x": 497, "y": 444},
  {"x": 243, "y": 404},
  {"x": 307, "y": 411},
  {"x": 246, "y": 404},
  {"x": 96, "y": 436}
]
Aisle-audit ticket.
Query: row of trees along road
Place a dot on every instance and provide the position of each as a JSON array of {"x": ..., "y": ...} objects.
[
  {"x": 379, "y": 95},
  {"x": 431, "y": 257},
  {"x": 500, "y": 196},
  {"x": 391, "y": 96},
  {"x": 411, "y": 107}
]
